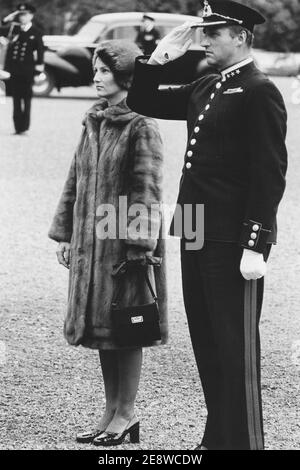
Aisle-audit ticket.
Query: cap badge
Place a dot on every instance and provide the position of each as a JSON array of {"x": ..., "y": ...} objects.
[{"x": 207, "y": 9}]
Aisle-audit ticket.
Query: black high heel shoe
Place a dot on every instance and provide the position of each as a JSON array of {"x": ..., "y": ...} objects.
[
  {"x": 88, "y": 436},
  {"x": 200, "y": 447},
  {"x": 115, "y": 439}
]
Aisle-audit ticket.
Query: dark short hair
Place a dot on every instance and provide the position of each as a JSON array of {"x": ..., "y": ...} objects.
[{"x": 237, "y": 29}]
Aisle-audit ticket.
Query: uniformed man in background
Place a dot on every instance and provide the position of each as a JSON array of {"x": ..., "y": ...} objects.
[
  {"x": 23, "y": 60},
  {"x": 148, "y": 35},
  {"x": 235, "y": 164}
]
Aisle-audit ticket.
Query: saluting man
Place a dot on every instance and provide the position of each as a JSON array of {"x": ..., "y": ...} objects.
[
  {"x": 235, "y": 164},
  {"x": 24, "y": 58}
]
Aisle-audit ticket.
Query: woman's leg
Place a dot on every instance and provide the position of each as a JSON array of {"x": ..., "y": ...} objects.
[
  {"x": 129, "y": 367},
  {"x": 109, "y": 366}
]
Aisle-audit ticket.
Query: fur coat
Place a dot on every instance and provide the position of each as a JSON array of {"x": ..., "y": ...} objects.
[{"x": 119, "y": 154}]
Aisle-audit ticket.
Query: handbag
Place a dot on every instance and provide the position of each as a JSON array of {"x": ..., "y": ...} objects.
[{"x": 138, "y": 325}]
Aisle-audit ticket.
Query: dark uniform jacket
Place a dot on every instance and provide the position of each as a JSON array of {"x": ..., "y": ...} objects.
[
  {"x": 147, "y": 40},
  {"x": 236, "y": 158},
  {"x": 25, "y": 50}
]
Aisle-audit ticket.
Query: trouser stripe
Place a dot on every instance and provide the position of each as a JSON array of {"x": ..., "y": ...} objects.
[{"x": 252, "y": 392}]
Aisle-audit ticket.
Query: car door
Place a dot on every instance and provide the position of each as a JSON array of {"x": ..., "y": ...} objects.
[{"x": 127, "y": 31}]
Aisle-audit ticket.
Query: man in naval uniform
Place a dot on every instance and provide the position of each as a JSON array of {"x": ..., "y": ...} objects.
[
  {"x": 24, "y": 59},
  {"x": 148, "y": 36},
  {"x": 235, "y": 164}
]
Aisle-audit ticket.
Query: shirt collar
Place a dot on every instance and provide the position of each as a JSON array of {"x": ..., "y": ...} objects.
[
  {"x": 235, "y": 69},
  {"x": 26, "y": 27}
]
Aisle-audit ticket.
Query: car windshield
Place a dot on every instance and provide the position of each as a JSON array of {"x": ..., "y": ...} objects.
[{"x": 92, "y": 29}]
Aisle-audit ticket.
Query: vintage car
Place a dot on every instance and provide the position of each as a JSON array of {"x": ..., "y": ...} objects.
[{"x": 68, "y": 59}]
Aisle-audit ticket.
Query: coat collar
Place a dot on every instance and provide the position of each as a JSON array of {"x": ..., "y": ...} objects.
[
  {"x": 26, "y": 28},
  {"x": 119, "y": 113},
  {"x": 237, "y": 69}
]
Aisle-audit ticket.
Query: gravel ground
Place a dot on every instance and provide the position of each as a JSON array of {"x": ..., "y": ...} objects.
[{"x": 52, "y": 390}]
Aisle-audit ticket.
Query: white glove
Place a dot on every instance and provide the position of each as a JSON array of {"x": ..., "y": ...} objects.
[
  {"x": 10, "y": 17},
  {"x": 40, "y": 68},
  {"x": 252, "y": 265},
  {"x": 3, "y": 41},
  {"x": 174, "y": 45},
  {"x": 4, "y": 75}
]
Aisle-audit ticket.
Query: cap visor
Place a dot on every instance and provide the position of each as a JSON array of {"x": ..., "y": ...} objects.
[{"x": 206, "y": 24}]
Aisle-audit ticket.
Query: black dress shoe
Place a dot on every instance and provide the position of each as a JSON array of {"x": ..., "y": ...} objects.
[
  {"x": 20, "y": 133},
  {"x": 88, "y": 436},
  {"x": 115, "y": 439}
]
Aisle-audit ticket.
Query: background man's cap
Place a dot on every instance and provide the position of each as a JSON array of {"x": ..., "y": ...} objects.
[
  {"x": 26, "y": 8},
  {"x": 226, "y": 12},
  {"x": 148, "y": 17}
]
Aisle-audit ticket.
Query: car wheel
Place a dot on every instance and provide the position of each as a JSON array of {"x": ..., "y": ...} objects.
[{"x": 43, "y": 84}]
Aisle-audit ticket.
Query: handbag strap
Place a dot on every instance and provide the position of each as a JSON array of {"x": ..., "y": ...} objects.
[{"x": 118, "y": 293}]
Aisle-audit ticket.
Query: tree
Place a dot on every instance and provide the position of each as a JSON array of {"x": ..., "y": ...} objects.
[
  {"x": 280, "y": 33},
  {"x": 166, "y": 6}
]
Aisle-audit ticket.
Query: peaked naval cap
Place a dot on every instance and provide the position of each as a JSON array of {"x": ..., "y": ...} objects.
[
  {"x": 227, "y": 12},
  {"x": 26, "y": 8}
]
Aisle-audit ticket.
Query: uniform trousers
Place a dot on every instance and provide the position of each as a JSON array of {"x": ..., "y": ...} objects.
[
  {"x": 21, "y": 90},
  {"x": 223, "y": 312}
]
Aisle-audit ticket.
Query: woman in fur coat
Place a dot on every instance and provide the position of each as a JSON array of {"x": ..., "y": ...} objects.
[{"x": 118, "y": 159}]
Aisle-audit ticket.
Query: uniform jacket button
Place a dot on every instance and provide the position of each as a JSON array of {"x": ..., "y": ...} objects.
[
  {"x": 201, "y": 117},
  {"x": 253, "y": 236},
  {"x": 255, "y": 228},
  {"x": 197, "y": 129},
  {"x": 188, "y": 165},
  {"x": 212, "y": 96},
  {"x": 207, "y": 107},
  {"x": 193, "y": 141},
  {"x": 190, "y": 153},
  {"x": 251, "y": 243},
  {"x": 218, "y": 85}
]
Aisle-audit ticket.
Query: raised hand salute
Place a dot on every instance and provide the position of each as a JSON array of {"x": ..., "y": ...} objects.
[
  {"x": 174, "y": 45},
  {"x": 234, "y": 166}
]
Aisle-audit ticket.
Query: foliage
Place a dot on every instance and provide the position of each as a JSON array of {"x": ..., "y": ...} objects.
[{"x": 280, "y": 33}]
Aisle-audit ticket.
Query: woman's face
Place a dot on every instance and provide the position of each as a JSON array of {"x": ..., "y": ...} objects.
[{"x": 104, "y": 80}]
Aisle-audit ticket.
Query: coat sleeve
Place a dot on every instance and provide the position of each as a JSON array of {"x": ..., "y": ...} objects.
[
  {"x": 145, "y": 98},
  {"x": 145, "y": 188},
  {"x": 61, "y": 228},
  {"x": 39, "y": 48},
  {"x": 265, "y": 140}
]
